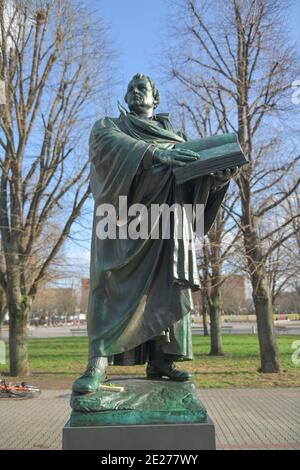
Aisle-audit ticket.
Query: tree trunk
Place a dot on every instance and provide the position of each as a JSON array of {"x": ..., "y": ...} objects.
[
  {"x": 204, "y": 307},
  {"x": 205, "y": 327},
  {"x": 215, "y": 311},
  {"x": 260, "y": 291},
  {"x": 19, "y": 306},
  {"x": 18, "y": 344},
  {"x": 261, "y": 297},
  {"x": 265, "y": 326}
]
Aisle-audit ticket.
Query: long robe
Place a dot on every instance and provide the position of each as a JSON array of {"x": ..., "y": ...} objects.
[{"x": 141, "y": 289}]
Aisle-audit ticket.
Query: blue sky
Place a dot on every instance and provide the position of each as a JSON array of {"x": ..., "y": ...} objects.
[{"x": 135, "y": 27}]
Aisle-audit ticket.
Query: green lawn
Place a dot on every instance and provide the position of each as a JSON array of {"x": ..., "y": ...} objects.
[{"x": 55, "y": 362}]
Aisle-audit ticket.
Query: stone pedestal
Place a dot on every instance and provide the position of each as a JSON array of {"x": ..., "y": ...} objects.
[
  {"x": 142, "y": 437},
  {"x": 148, "y": 414}
]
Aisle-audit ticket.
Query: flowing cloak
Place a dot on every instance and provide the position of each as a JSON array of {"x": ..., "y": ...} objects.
[{"x": 141, "y": 288}]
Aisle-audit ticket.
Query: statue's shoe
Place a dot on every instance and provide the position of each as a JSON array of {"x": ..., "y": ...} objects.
[
  {"x": 89, "y": 381},
  {"x": 167, "y": 369}
]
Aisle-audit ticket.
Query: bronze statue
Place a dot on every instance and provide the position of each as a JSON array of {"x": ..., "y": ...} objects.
[{"x": 140, "y": 298}]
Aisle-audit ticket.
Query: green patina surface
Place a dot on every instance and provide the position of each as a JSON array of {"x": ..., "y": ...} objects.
[{"x": 143, "y": 402}]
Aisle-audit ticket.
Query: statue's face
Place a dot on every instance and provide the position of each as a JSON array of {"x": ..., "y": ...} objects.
[{"x": 139, "y": 96}]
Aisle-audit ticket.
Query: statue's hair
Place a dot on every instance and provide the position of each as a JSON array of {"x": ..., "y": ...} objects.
[{"x": 155, "y": 90}]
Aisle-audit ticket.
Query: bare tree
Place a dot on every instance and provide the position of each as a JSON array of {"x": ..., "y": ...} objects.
[
  {"x": 282, "y": 270},
  {"x": 218, "y": 247},
  {"x": 205, "y": 121},
  {"x": 282, "y": 245},
  {"x": 228, "y": 61},
  {"x": 54, "y": 62}
]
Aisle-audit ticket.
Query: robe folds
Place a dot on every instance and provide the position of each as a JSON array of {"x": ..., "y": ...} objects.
[{"x": 141, "y": 289}]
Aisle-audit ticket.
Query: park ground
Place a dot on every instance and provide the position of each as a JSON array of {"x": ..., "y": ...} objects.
[{"x": 56, "y": 362}]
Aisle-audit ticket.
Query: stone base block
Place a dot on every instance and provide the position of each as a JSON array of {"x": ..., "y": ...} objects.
[{"x": 194, "y": 436}]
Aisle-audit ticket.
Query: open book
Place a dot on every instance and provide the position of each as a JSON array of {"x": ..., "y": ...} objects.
[{"x": 216, "y": 153}]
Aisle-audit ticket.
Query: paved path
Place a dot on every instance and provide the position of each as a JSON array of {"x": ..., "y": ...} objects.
[
  {"x": 244, "y": 419},
  {"x": 282, "y": 328},
  {"x": 255, "y": 419}
]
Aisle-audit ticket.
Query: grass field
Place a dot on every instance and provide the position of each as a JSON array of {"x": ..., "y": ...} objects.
[{"x": 55, "y": 362}]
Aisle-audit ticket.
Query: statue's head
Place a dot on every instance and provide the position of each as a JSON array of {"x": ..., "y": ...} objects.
[{"x": 142, "y": 96}]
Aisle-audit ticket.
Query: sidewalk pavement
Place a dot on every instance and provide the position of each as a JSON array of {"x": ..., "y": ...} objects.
[
  {"x": 244, "y": 419},
  {"x": 282, "y": 328}
]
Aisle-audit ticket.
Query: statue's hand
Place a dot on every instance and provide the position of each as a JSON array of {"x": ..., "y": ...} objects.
[
  {"x": 221, "y": 178},
  {"x": 174, "y": 157}
]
